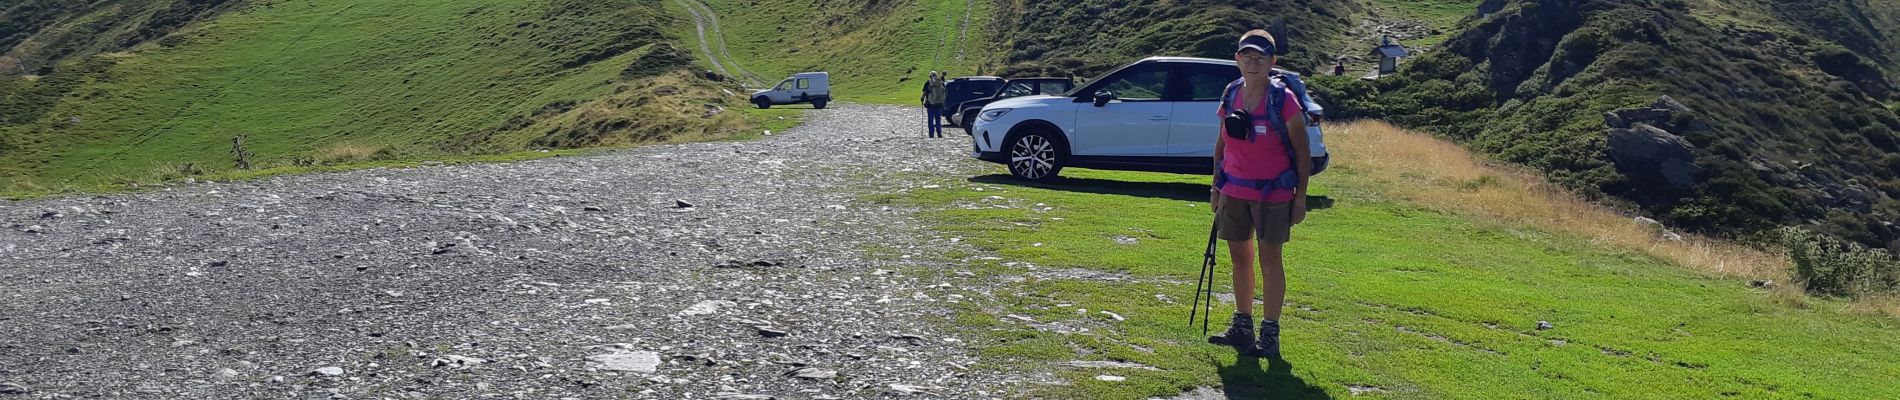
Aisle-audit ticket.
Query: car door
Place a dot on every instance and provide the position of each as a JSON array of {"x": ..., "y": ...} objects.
[
  {"x": 1196, "y": 122},
  {"x": 1135, "y": 124},
  {"x": 783, "y": 92},
  {"x": 801, "y": 88}
]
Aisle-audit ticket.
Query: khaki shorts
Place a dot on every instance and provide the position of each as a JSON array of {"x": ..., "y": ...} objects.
[{"x": 1246, "y": 219}]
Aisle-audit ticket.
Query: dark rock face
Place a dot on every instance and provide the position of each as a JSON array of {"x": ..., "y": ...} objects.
[
  {"x": 1651, "y": 155},
  {"x": 1516, "y": 45}
]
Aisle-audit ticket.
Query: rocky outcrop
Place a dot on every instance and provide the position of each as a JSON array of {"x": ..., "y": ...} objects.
[
  {"x": 1649, "y": 154},
  {"x": 1517, "y": 44}
]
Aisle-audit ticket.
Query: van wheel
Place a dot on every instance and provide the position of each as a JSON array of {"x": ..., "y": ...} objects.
[
  {"x": 762, "y": 103},
  {"x": 1035, "y": 156},
  {"x": 818, "y": 104}
]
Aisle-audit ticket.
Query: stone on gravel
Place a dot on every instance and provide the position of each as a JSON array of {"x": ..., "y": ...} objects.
[
  {"x": 766, "y": 331},
  {"x": 456, "y": 361},
  {"x": 328, "y": 371},
  {"x": 737, "y": 396},
  {"x": 631, "y": 361},
  {"x": 912, "y": 389},
  {"x": 13, "y": 388},
  {"x": 682, "y": 204},
  {"x": 707, "y": 307},
  {"x": 814, "y": 373}
]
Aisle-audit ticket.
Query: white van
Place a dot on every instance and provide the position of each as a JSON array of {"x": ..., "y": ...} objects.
[{"x": 803, "y": 87}]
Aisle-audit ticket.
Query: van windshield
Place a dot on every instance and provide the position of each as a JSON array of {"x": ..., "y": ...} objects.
[{"x": 786, "y": 84}]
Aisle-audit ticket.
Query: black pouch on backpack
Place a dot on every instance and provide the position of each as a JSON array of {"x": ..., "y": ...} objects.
[{"x": 1238, "y": 124}]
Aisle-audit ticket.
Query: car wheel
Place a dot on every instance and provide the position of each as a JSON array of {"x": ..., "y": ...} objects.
[
  {"x": 1035, "y": 156},
  {"x": 762, "y": 103},
  {"x": 818, "y": 104},
  {"x": 969, "y": 122}
]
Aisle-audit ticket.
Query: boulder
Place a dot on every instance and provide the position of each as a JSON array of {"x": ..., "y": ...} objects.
[{"x": 1648, "y": 154}]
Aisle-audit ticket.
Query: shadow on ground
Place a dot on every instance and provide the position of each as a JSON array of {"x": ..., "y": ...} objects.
[
  {"x": 1158, "y": 190},
  {"x": 1244, "y": 379}
]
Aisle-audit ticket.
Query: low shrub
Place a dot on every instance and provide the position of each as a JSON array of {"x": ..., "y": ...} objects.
[{"x": 1828, "y": 266}]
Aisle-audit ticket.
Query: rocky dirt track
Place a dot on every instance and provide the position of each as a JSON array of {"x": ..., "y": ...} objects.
[{"x": 699, "y": 271}]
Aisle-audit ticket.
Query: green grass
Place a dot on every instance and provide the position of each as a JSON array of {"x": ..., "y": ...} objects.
[
  {"x": 1438, "y": 14},
  {"x": 876, "y": 52},
  {"x": 400, "y": 81},
  {"x": 1418, "y": 303}
]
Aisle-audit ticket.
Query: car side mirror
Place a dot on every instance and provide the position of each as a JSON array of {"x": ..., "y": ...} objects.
[{"x": 1102, "y": 97}]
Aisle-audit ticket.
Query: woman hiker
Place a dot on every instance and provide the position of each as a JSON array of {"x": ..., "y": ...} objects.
[{"x": 1259, "y": 189}]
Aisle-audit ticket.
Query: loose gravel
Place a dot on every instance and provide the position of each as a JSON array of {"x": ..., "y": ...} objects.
[{"x": 708, "y": 270}]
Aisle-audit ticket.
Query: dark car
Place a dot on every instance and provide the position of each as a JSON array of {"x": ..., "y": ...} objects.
[
  {"x": 965, "y": 113},
  {"x": 965, "y": 88}
]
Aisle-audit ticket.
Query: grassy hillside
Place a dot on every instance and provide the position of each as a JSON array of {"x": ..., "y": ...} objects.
[
  {"x": 1424, "y": 279},
  {"x": 1088, "y": 37},
  {"x": 1787, "y": 127},
  {"x": 318, "y": 82},
  {"x": 35, "y": 35},
  {"x": 876, "y": 51}
]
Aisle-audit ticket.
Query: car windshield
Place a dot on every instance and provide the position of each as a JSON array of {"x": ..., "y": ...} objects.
[
  {"x": 1016, "y": 89},
  {"x": 1056, "y": 87}
]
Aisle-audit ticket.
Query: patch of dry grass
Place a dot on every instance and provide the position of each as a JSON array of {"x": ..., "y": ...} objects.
[
  {"x": 346, "y": 152},
  {"x": 1442, "y": 175}
]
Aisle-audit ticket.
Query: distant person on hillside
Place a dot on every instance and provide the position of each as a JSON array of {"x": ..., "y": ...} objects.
[
  {"x": 1259, "y": 188},
  {"x": 1339, "y": 68},
  {"x": 933, "y": 98}
]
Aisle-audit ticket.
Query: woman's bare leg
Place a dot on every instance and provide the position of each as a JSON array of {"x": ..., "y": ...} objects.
[
  {"x": 1273, "y": 272},
  {"x": 1242, "y": 253}
]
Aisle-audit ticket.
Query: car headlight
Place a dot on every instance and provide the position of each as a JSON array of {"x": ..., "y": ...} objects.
[{"x": 992, "y": 114}]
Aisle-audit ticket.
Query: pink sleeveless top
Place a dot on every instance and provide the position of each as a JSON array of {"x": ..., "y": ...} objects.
[{"x": 1263, "y": 158}]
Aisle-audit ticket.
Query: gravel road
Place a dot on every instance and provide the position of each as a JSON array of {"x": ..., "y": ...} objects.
[{"x": 572, "y": 277}]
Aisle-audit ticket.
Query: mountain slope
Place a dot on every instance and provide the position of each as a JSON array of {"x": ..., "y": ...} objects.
[
  {"x": 317, "y": 82},
  {"x": 1768, "y": 125},
  {"x": 876, "y": 51}
]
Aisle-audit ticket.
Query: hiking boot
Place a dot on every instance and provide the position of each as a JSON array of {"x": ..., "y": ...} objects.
[
  {"x": 1239, "y": 333},
  {"x": 1268, "y": 346}
]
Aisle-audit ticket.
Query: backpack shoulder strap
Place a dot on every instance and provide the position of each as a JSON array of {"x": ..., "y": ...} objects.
[
  {"x": 1230, "y": 96},
  {"x": 1276, "y": 98}
]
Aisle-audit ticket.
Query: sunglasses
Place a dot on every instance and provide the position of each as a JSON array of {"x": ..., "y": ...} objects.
[{"x": 1255, "y": 58}]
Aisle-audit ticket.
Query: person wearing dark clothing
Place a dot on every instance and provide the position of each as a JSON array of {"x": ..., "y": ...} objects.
[{"x": 933, "y": 99}]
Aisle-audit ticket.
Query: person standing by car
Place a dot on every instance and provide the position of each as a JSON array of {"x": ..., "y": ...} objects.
[
  {"x": 1261, "y": 169},
  {"x": 933, "y": 104}
]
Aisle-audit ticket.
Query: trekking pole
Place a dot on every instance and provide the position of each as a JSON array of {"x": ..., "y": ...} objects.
[{"x": 1204, "y": 283}]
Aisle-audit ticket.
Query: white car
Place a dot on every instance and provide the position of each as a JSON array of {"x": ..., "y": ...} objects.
[
  {"x": 1157, "y": 114},
  {"x": 803, "y": 87}
]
